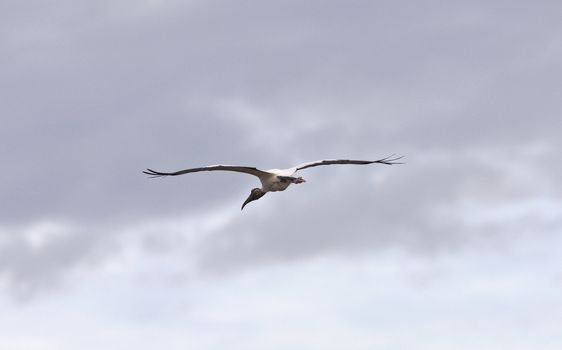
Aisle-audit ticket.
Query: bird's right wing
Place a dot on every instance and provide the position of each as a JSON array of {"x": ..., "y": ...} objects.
[
  {"x": 390, "y": 160},
  {"x": 240, "y": 169}
]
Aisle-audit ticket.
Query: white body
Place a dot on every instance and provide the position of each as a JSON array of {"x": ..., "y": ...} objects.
[{"x": 271, "y": 182}]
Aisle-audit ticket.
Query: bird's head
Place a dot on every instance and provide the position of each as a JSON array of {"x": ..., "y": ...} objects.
[{"x": 256, "y": 193}]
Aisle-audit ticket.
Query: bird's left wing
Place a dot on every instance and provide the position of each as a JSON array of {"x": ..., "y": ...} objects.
[
  {"x": 390, "y": 160},
  {"x": 240, "y": 169}
]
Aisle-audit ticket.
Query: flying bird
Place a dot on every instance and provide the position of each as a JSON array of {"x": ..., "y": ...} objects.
[{"x": 274, "y": 180}]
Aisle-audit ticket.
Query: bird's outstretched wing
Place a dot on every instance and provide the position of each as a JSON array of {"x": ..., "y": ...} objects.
[
  {"x": 240, "y": 169},
  {"x": 390, "y": 160}
]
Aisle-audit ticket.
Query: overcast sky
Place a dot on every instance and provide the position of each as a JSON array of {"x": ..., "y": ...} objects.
[{"x": 460, "y": 248}]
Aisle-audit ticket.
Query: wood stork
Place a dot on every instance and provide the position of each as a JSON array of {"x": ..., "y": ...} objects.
[{"x": 274, "y": 180}]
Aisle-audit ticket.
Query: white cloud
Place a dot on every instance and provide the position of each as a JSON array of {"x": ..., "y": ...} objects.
[{"x": 480, "y": 298}]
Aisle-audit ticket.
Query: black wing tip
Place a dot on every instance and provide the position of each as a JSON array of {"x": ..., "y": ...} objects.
[
  {"x": 390, "y": 160},
  {"x": 153, "y": 173}
]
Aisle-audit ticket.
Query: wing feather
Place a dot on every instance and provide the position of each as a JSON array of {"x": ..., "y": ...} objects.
[
  {"x": 390, "y": 160},
  {"x": 236, "y": 168}
]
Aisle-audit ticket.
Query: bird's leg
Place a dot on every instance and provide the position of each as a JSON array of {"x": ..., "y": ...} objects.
[
  {"x": 295, "y": 180},
  {"x": 299, "y": 180}
]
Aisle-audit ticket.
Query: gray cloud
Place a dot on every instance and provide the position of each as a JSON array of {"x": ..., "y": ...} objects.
[
  {"x": 92, "y": 94},
  {"x": 422, "y": 207},
  {"x": 39, "y": 257}
]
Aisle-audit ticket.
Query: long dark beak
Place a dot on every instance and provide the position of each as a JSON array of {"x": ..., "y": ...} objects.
[
  {"x": 252, "y": 197},
  {"x": 246, "y": 202}
]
